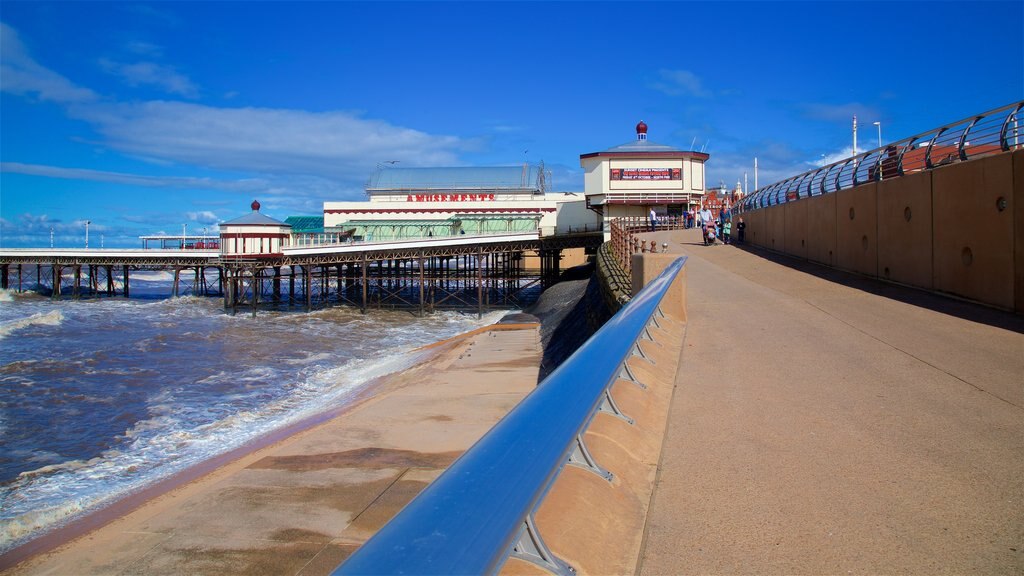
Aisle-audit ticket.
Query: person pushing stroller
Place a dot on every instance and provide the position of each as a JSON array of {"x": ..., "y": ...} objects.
[{"x": 707, "y": 219}]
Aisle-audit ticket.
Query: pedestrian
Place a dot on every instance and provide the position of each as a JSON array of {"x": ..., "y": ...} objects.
[
  {"x": 726, "y": 231},
  {"x": 740, "y": 227},
  {"x": 706, "y": 220},
  {"x": 654, "y": 218}
]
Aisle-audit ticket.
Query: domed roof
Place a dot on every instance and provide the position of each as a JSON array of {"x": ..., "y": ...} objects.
[
  {"x": 641, "y": 128},
  {"x": 254, "y": 218}
]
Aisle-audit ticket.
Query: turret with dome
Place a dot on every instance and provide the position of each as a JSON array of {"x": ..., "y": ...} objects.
[{"x": 254, "y": 235}]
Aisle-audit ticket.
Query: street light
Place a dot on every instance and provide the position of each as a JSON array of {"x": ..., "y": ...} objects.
[
  {"x": 879, "y": 124},
  {"x": 87, "y": 222}
]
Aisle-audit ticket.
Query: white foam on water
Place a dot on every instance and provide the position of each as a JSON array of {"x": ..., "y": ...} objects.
[
  {"x": 180, "y": 433},
  {"x": 151, "y": 276},
  {"x": 51, "y": 318}
]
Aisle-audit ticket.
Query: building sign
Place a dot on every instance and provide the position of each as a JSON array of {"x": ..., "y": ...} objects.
[
  {"x": 646, "y": 174},
  {"x": 450, "y": 198}
]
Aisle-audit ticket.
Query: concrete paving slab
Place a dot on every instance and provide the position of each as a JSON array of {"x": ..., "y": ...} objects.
[{"x": 821, "y": 428}]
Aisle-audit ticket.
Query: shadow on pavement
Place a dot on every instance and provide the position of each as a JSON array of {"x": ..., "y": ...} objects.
[{"x": 938, "y": 302}]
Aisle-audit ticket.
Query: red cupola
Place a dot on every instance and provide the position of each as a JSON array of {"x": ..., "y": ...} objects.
[
  {"x": 255, "y": 206},
  {"x": 641, "y": 131}
]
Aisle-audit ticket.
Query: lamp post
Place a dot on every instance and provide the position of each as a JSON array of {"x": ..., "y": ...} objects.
[
  {"x": 51, "y": 236},
  {"x": 879, "y": 124},
  {"x": 854, "y": 134},
  {"x": 87, "y": 222}
]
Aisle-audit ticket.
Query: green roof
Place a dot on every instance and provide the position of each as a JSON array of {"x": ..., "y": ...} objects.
[{"x": 306, "y": 224}]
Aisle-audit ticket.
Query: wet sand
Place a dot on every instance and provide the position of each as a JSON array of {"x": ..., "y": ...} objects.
[{"x": 302, "y": 500}]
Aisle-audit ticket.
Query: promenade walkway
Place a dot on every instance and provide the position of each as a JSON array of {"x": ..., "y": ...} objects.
[
  {"x": 827, "y": 424},
  {"x": 821, "y": 424}
]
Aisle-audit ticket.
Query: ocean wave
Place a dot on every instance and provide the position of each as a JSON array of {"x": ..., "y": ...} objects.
[
  {"x": 52, "y": 318},
  {"x": 228, "y": 405}
]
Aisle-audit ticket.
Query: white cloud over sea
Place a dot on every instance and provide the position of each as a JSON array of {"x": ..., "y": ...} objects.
[{"x": 342, "y": 146}]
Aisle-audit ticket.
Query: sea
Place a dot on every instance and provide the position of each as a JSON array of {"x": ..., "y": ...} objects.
[{"x": 103, "y": 397}]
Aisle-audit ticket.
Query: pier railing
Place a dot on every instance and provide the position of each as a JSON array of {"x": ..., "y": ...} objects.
[
  {"x": 979, "y": 135},
  {"x": 625, "y": 240},
  {"x": 480, "y": 511}
]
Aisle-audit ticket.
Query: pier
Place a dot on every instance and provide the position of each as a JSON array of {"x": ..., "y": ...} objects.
[
  {"x": 840, "y": 393},
  {"x": 458, "y": 272}
]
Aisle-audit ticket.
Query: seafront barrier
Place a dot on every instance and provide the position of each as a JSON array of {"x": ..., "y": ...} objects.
[
  {"x": 308, "y": 499},
  {"x": 564, "y": 481},
  {"x": 942, "y": 211}
]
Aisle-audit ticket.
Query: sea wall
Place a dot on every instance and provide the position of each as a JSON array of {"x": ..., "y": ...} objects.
[
  {"x": 958, "y": 230},
  {"x": 594, "y": 524}
]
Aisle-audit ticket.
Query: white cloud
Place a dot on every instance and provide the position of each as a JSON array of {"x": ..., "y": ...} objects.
[
  {"x": 327, "y": 144},
  {"x": 203, "y": 217},
  {"x": 680, "y": 83},
  {"x": 24, "y": 76},
  {"x": 152, "y": 74},
  {"x": 339, "y": 146},
  {"x": 242, "y": 185}
]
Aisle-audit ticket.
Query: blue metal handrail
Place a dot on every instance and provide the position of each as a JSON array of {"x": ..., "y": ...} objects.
[
  {"x": 467, "y": 521},
  {"x": 994, "y": 131}
]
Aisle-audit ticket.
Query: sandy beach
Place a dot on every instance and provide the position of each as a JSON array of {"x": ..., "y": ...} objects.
[{"x": 303, "y": 499}]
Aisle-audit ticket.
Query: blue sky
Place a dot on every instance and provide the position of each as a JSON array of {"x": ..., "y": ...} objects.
[{"x": 143, "y": 117}]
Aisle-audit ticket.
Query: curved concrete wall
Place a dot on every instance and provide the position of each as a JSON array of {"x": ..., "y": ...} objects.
[{"x": 958, "y": 229}]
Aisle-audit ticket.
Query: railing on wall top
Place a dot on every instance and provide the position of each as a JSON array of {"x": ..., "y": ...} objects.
[
  {"x": 625, "y": 242},
  {"x": 480, "y": 511},
  {"x": 983, "y": 134}
]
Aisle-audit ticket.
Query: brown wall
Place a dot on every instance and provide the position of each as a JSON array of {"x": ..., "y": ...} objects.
[
  {"x": 821, "y": 229},
  {"x": 939, "y": 230},
  {"x": 1017, "y": 204},
  {"x": 775, "y": 228},
  {"x": 796, "y": 228},
  {"x": 973, "y": 239},
  {"x": 857, "y": 229},
  {"x": 755, "y": 233},
  {"x": 905, "y": 230}
]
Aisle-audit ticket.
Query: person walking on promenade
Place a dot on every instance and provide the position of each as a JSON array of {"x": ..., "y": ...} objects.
[
  {"x": 654, "y": 218},
  {"x": 706, "y": 220},
  {"x": 741, "y": 226}
]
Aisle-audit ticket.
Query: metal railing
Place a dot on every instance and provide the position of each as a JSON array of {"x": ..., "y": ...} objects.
[
  {"x": 624, "y": 239},
  {"x": 983, "y": 134},
  {"x": 480, "y": 511}
]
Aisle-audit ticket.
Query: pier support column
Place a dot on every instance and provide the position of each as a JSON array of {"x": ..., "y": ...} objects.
[
  {"x": 480, "y": 283},
  {"x": 291, "y": 285},
  {"x": 339, "y": 282},
  {"x": 364, "y": 283},
  {"x": 4, "y": 270},
  {"x": 77, "y": 293},
  {"x": 277, "y": 284},
  {"x": 307, "y": 273},
  {"x": 125, "y": 270},
  {"x": 229, "y": 292}
]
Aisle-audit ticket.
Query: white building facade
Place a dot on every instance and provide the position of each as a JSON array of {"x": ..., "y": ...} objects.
[
  {"x": 630, "y": 179},
  {"x": 254, "y": 235},
  {"x": 424, "y": 202}
]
